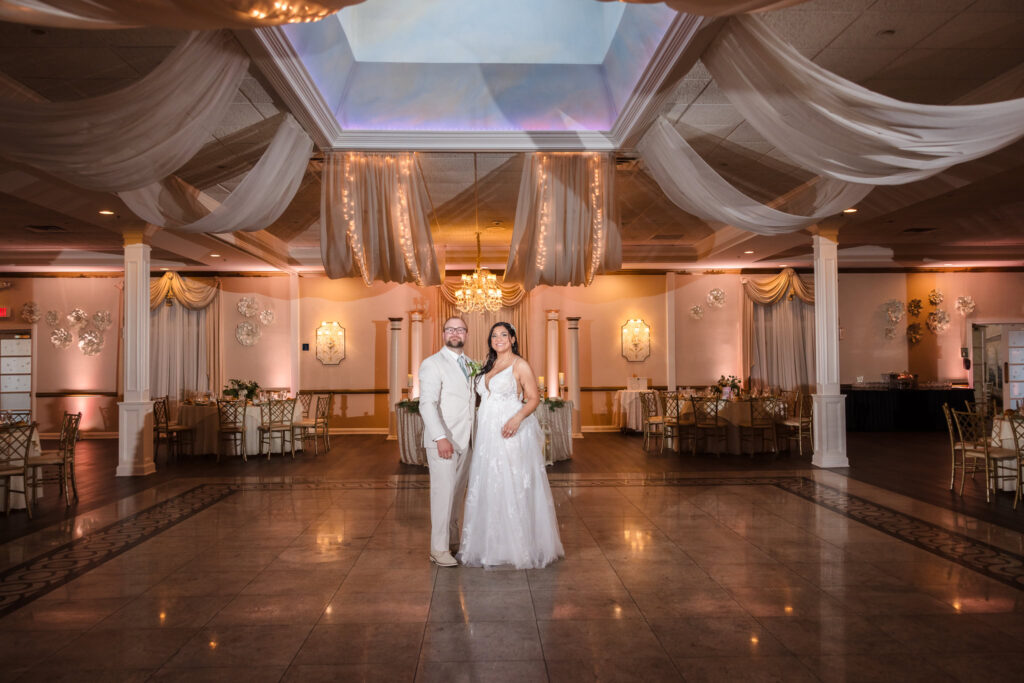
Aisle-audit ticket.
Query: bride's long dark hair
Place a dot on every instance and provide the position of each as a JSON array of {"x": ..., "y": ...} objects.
[{"x": 492, "y": 355}]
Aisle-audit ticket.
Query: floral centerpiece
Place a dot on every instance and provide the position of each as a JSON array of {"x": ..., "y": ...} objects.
[
  {"x": 410, "y": 404},
  {"x": 238, "y": 388},
  {"x": 732, "y": 383}
]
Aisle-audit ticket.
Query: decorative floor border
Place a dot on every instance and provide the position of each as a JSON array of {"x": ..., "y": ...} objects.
[{"x": 30, "y": 580}]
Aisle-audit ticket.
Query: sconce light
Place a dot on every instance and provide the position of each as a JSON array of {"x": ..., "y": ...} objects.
[
  {"x": 330, "y": 343},
  {"x": 636, "y": 340}
]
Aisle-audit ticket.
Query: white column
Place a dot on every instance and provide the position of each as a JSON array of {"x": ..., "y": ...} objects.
[
  {"x": 293, "y": 331},
  {"x": 415, "y": 351},
  {"x": 394, "y": 384},
  {"x": 574, "y": 374},
  {"x": 829, "y": 404},
  {"x": 135, "y": 412},
  {"x": 670, "y": 331},
  {"x": 552, "y": 354}
]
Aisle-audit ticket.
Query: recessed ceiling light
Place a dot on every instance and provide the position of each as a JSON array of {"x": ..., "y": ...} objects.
[
  {"x": 783, "y": 265},
  {"x": 749, "y": 251},
  {"x": 214, "y": 255},
  {"x": 106, "y": 212},
  {"x": 850, "y": 210},
  {"x": 947, "y": 265},
  {"x": 165, "y": 269}
]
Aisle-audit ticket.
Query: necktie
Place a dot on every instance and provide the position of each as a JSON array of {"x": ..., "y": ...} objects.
[{"x": 465, "y": 368}]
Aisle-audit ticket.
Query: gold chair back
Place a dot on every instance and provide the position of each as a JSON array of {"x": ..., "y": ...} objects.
[
  {"x": 705, "y": 411},
  {"x": 972, "y": 430},
  {"x": 648, "y": 404},
  {"x": 231, "y": 414},
  {"x": 323, "y": 408},
  {"x": 15, "y": 443},
  {"x": 762, "y": 413},
  {"x": 161, "y": 418},
  {"x": 306, "y": 400}
]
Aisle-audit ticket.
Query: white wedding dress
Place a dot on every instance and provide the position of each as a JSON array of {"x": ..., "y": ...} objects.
[{"x": 509, "y": 517}]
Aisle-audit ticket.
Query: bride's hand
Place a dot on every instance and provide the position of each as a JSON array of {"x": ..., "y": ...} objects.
[{"x": 510, "y": 428}]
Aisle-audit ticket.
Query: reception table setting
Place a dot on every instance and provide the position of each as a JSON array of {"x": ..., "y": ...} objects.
[{"x": 201, "y": 416}]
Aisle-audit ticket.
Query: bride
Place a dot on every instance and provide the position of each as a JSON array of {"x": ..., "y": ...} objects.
[{"x": 509, "y": 517}]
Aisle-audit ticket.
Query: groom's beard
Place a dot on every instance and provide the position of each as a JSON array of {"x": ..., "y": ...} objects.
[{"x": 455, "y": 344}]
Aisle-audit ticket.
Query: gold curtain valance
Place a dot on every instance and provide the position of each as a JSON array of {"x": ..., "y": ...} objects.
[
  {"x": 786, "y": 283},
  {"x": 191, "y": 293},
  {"x": 510, "y": 294}
]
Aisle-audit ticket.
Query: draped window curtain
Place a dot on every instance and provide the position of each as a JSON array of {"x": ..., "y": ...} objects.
[
  {"x": 514, "y": 309},
  {"x": 184, "y": 337},
  {"x": 778, "y": 332}
]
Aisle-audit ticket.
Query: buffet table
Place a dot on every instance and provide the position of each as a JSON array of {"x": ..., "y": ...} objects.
[
  {"x": 901, "y": 410},
  {"x": 556, "y": 425},
  {"x": 202, "y": 418}
]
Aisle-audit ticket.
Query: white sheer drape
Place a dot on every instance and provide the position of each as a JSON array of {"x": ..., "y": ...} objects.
[
  {"x": 719, "y": 8},
  {"x": 189, "y": 14},
  {"x": 782, "y": 341},
  {"x": 834, "y": 127},
  {"x": 373, "y": 219},
  {"x": 258, "y": 201},
  {"x": 137, "y": 135},
  {"x": 566, "y": 228},
  {"x": 178, "y": 351},
  {"x": 695, "y": 187}
]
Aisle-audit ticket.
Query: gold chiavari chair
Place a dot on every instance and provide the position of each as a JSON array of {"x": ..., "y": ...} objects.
[
  {"x": 306, "y": 401},
  {"x": 61, "y": 460},
  {"x": 277, "y": 416},
  {"x": 706, "y": 422},
  {"x": 317, "y": 427},
  {"x": 762, "y": 424},
  {"x": 175, "y": 435},
  {"x": 800, "y": 422},
  {"x": 1017, "y": 429},
  {"x": 15, "y": 447},
  {"x": 231, "y": 426},
  {"x": 652, "y": 420},
  {"x": 978, "y": 448},
  {"x": 677, "y": 426},
  {"x": 956, "y": 450}
]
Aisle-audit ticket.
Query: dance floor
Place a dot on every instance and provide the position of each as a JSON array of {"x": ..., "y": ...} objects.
[{"x": 318, "y": 570}]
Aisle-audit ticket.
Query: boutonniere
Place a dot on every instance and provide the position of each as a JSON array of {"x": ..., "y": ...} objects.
[{"x": 474, "y": 367}]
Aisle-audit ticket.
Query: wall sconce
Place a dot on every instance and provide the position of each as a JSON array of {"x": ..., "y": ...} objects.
[
  {"x": 330, "y": 343},
  {"x": 636, "y": 340}
]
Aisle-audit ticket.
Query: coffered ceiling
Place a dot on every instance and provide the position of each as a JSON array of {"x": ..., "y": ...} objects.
[{"x": 929, "y": 51}]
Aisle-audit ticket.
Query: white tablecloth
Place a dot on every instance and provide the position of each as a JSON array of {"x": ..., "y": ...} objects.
[
  {"x": 733, "y": 413},
  {"x": 627, "y": 412},
  {"x": 204, "y": 421}
]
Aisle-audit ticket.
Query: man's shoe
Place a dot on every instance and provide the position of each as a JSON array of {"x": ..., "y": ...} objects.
[{"x": 443, "y": 558}]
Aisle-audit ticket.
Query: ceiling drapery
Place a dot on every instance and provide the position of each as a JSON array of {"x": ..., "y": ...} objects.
[
  {"x": 259, "y": 200},
  {"x": 186, "y": 14},
  {"x": 834, "y": 127},
  {"x": 566, "y": 228},
  {"x": 786, "y": 283},
  {"x": 695, "y": 187},
  {"x": 510, "y": 294},
  {"x": 135, "y": 136},
  {"x": 719, "y": 8},
  {"x": 374, "y": 219}
]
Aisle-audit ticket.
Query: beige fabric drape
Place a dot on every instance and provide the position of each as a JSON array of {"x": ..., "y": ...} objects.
[
  {"x": 566, "y": 228},
  {"x": 374, "y": 219},
  {"x": 787, "y": 284},
  {"x": 189, "y": 14},
  {"x": 719, "y": 8},
  {"x": 515, "y": 310},
  {"x": 195, "y": 294}
]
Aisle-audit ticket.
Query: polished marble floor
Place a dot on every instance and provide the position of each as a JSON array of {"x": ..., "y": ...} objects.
[{"x": 789, "y": 575}]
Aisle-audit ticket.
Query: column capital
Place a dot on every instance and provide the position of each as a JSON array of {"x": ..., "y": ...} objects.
[
  {"x": 416, "y": 316},
  {"x": 552, "y": 314},
  {"x": 396, "y": 323},
  {"x": 574, "y": 322}
]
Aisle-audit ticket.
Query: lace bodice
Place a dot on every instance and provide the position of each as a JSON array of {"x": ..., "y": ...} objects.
[{"x": 502, "y": 386}]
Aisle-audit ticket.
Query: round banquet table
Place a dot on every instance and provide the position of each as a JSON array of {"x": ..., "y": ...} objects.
[
  {"x": 18, "y": 499},
  {"x": 627, "y": 412},
  {"x": 206, "y": 425},
  {"x": 733, "y": 413}
]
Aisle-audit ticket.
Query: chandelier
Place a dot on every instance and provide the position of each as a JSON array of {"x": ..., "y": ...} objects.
[{"x": 479, "y": 291}]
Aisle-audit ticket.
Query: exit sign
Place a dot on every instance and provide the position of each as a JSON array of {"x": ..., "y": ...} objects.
[{"x": 5, "y": 312}]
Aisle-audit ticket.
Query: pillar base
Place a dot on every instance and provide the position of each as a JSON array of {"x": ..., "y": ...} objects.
[
  {"x": 135, "y": 439},
  {"x": 830, "y": 431}
]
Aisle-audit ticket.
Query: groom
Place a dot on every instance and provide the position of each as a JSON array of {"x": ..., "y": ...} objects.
[{"x": 447, "y": 405}]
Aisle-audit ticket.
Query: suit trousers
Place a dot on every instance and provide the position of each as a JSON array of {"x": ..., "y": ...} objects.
[{"x": 447, "y": 491}]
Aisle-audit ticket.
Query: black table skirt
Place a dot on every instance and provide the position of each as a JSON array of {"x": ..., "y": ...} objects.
[{"x": 901, "y": 410}]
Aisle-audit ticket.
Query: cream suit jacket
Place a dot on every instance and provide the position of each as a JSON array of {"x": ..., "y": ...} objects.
[{"x": 447, "y": 403}]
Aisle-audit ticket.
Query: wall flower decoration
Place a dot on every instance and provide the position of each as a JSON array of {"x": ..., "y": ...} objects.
[
  {"x": 895, "y": 310},
  {"x": 246, "y": 333},
  {"x": 247, "y": 306},
  {"x": 52, "y": 318},
  {"x": 90, "y": 342},
  {"x": 696, "y": 311},
  {"x": 60, "y": 338},
  {"x": 891, "y": 332},
  {"x": 30, "y": 312},
  {"x": 938, "y": 321},
  {"x": 914, "y": 333},
  {"x": 102, "y": 320},
  {"x": 267, "y": 317},
  {"x": 77, "y": 317},
  {"x": 965, "y": 305},
  {"x": 716, "y": 298},
  {"x": 935, "y": 297},
  {"x": 914, "y": 307}
]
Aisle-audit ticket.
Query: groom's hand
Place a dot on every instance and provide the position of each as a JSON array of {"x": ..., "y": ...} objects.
[{"x": 445, "y": 449}]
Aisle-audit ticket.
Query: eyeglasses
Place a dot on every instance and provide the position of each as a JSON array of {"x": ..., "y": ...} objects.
[{"x": 455, "y": 330}]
